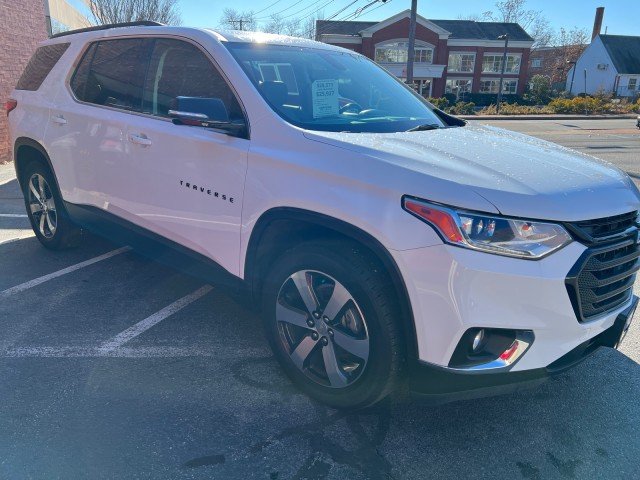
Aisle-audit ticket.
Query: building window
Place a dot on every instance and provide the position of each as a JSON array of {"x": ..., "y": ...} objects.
[
  {"x": 632, "y": 85},
  {"x": 536, "y": 63},
  {"x": 493, "y": 64},
  {"x": 492, "y": 86},
  {"x": 397, "y": 52},
  {"x": 461, "y": 62},
  {"x": 458, "y": 86}
]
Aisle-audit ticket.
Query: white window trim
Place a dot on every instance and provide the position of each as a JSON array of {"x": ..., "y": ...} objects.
[
  {"x": 475, "y": 58},
  {"x": 496, "y": 54},
  {"x": 497, "y": 80},
  {"x": 457, "y": 79},
  {"x": 418, "y": 44}
]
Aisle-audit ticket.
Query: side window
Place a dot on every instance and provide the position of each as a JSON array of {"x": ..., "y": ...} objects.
[
  {"x": 41, "y": 63},
  {"x": 179, "y": 69},
  {"x": 80, "y": 85},
  {"x": 112, "y": 72}
]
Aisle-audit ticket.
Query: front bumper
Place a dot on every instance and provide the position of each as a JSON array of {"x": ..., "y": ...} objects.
[{"x": 434, "y": 385}]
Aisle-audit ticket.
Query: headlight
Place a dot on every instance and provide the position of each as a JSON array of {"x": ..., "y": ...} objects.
[{"x": 489, "y": 233}]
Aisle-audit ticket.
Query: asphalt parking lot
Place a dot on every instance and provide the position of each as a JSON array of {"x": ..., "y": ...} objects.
[{"x": 116, "y": 366}]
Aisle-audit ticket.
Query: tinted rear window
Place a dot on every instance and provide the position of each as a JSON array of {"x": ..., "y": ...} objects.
[
  {"x": 112, "y": 73},
  {"x": 41, "y": 63}
]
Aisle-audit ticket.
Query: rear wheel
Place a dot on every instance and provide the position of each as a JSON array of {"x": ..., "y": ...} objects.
[
  {"x": 44, "y": 208},
  {"x": 332, "y": 324}
]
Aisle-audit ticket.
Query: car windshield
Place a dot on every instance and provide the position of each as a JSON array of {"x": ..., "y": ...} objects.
[{"x": 333, "y": 91}]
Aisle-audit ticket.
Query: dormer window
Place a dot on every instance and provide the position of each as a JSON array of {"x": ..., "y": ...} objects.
[{"x": 397, "y": 52}]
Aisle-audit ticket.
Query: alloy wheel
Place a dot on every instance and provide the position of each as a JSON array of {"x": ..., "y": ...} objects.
[
  {"x": 42, "y": 206},
  {"x": 322, "y": 328}
]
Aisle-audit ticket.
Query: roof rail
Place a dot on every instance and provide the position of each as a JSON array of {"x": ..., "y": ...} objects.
[{"x": 141, "y": 23}]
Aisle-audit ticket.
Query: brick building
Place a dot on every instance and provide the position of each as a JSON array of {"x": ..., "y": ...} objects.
[
  {"x": 451, "y": 56},
  {"x": 552, "y": 63},
  {"x": 23, "y": 26}
]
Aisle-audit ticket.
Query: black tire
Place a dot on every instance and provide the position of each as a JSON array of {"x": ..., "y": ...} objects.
[
  {"x": 45, "y": 209},
  {"x": 347, "y": 357}
]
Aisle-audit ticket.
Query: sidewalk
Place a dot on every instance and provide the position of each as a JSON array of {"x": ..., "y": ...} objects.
[
  {"x": 7, "y": 173},
  {"x": 11, "y": 202}
]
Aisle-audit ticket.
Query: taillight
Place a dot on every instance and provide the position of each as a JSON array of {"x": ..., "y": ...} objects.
[{"x": 10, "y": 105}]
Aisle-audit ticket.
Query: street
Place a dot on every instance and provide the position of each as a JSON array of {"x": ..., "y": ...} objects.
[{"x": 116, "y": 366}]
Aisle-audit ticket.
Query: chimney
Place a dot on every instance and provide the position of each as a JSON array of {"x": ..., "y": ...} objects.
[{"x": 597, "y": 24}]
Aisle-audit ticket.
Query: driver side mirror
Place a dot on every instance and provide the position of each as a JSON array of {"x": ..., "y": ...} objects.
[{"x": 205, "y": 112}]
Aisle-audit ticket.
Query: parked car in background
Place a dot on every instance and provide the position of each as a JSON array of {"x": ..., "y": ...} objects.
[{"x": 381, "y": 238}]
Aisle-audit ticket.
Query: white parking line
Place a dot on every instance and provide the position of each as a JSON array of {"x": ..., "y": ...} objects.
[
  {"x": 127, "y": 352},
  {"x": 147, "y": 323},
  {"x": 32, "y": 283},
  {"x": 14, "y": 215}
]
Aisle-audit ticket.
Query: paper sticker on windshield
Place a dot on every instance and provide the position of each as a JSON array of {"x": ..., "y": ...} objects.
[{"x": 325, "y": 98}]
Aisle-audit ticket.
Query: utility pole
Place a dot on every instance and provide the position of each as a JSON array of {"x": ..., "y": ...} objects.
[
  {"x": 586, "y": 109},
  {"x": 573, "y": 75},
  {"x": 504, "y": 37},
  {"x": 240, "y": 21},
  {"x": 412, "y": 42}
]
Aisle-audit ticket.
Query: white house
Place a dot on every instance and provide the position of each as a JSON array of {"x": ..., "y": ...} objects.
[{"x": 610, "y": 64}]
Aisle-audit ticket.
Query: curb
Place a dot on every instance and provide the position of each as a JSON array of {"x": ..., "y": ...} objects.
[{"x": 631, "y": 116}]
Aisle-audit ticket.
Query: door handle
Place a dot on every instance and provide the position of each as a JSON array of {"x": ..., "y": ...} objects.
[
  {"x": 59, "y": 119},
  {"x": 141, "y": 139}
]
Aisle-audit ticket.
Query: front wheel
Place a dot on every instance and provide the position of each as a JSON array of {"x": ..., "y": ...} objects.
[{"x": 332, "y": 324}]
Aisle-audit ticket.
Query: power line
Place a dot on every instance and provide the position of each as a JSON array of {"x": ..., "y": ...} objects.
[
  {"x": 321, "y": 31},
  {"x": 342, "y": 10},
  {"x": 308, "y": 7},
  {"x": 267, "y": 8},
  {"x": 352, "y": 15},
  {"x": 284, "y": 10}
]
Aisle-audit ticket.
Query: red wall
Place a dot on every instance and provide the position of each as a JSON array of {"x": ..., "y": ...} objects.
[{"x": 22, "y": 26}]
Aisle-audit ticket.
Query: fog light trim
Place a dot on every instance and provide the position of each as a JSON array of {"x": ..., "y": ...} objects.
[{"x": 501, "y": 361}]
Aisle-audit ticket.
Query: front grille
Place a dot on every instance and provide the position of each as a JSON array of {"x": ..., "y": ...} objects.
[
  {"x": 603, "y": 229},
  {"x": 602, "y": 280}
]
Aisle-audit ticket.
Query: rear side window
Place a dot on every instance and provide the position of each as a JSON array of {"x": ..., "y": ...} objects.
[
  {"x": 112, "y": 72},
  {"x": 41, "y": 63}
]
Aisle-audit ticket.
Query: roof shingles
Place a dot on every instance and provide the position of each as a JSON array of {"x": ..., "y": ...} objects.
[
  {"x": 624, "y": 52},
  {"x": 460, "y": 29}
]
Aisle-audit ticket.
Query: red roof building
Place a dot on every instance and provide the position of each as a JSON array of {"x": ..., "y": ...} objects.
[{"x": 451, "y": 56}]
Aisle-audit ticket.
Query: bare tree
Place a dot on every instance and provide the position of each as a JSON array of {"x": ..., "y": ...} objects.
[
  {"x": 121, "y": 11},
  {"x": 533, "y": 21},
  {"x": 293, "y": 28},
  {"x": 275, "y": 25},
  {"x": 474, "y": 17},
  {"x": 568, "y": 46},
  {"x": 296, "y": 27},
  {"x": 309, "y": 26},
  {"x": 236, "y": 20}
]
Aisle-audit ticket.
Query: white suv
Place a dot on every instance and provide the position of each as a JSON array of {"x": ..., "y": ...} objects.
[{"x": 382, "y": 238}]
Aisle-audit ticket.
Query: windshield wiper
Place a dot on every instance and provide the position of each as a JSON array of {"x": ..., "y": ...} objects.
[{"x": 426, "y": 126}]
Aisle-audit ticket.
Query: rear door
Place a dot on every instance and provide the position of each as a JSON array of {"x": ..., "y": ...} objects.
[{"x": 87, "y": 133}]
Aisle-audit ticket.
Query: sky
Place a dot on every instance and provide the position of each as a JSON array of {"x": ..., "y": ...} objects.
[{"x": 621, "y": 17}]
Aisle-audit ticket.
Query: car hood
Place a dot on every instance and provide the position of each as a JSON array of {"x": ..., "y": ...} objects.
[{"x": 520, "y": 175}]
